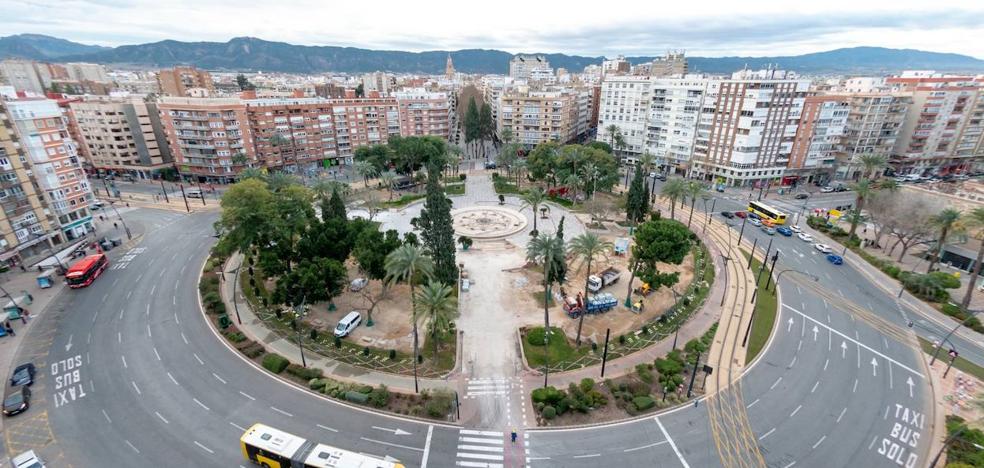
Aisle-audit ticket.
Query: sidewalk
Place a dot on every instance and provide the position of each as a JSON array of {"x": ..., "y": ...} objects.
[{"x": 255, "y": 330}]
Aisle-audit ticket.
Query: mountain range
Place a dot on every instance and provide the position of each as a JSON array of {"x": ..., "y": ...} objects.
[{"x": 252, "y": 54}]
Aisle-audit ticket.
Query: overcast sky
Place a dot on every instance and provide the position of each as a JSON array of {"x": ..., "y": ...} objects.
[{"x": 594, "y": 27}]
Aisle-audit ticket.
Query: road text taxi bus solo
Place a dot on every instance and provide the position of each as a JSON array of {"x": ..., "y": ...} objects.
[{"x": 85, "y": 271}]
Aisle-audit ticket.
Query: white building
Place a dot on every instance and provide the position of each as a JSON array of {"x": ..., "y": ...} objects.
[
  {"x": 625, "y": 103},
  {"x": 87, "y": 72},
  {"x": 522, "y": 65},
  {"x": 671, "y": 129},
  {"x": 22, "y": 75}
]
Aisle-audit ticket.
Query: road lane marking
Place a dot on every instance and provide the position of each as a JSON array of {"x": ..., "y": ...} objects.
[
  {"x": 172, "y": 379},
  {"x": 793, "y": 362},
  {"x": 789, "y": 465},
  {"x": 767, "y": 434},
  {"x": 198, "y": 358},
  {"x": 201, "y": 404},
  {"x": 591, "y": 455},
  {"x": 814, "y": 389},
  {"x": 161, "y": 417},
  {"x": 121, "y": 313},
  {"x": 775, "y": 383},
  {"x": 107, "y": 417},
  {"x": 104, "y": 297},
  {"x": 825, "y": 363},
  {"x": 184, "y": 338},
  {"x": 237, "y": 426},
  {"x": 666, "y": 435},
  {"x": 157, "y": 354},
  {"x": 481, "y": 448},
  {"x": 282, "y": 412},
  {"x": 147, "y": 310},
  {"x": 891, "y": 379},
  {"x": 217, "y": 377},
  {"x": 842, "y": 414},
  {"x": 119, "y": 337},
  {"x": 204, "y": 447},
  {"x": 131, "y": 445},
  {"x": 795, "y": 411},
  {"x": 254, "y": 399},
  {"x": 427, "y": 446},
  {"x": 149, "y": 334},
  {"x": 124, "y": 361},
  {"x": 128, "y": 293},
  {"x": 135, "y": 387},
  {"x": 326, "y": 427},
  {"x": 860, "y": 345},
  {"x": 154, "y": 288},
  {"x": 484, "y": 433},
  {"x": 752, "y": 403},
  {"x": 407, "y": 447},
  {"x": 855, "y": 390},
  {"x": 176, "y": 321}
]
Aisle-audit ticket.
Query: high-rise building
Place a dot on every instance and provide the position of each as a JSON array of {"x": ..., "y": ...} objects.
[
  {"x": 616, "y": 66},
  {"x": 536, "y": 116},
  {"x": 54, "y": 162},
  {"x": 671, "y": 127},
  {"x": 87, "y": 72},
  {"x": 819, "y": 139},
  {"x": 122, "y": 136},
  {"x": 22, "y": 75},
  {"x": 185, "y": 82},
  {"x": 294, "y": 135},
  {"x": 624, "y": 108},
  {"x": 521, "y": 65},
  {"x": 671, "y": 64},
  {"x": 874, "y": 123},
  {"x": 423, "y": 112},
  {"x": 364, "y": 121},
  {"x": 944, "y": 127},
  {"x": 209, "y": 138},
  {"x": 25, "y": 223}
]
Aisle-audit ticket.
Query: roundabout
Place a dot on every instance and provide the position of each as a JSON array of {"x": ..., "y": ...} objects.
[{"x": 487, "y": 222}]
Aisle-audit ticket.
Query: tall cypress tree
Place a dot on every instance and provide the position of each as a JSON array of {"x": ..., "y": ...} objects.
[
  {"x": 334, "y": 207},
  {"x": 471, "y": 122},
  {"x": 637, "y": 204},
  {"x": 435, "y": 228}
]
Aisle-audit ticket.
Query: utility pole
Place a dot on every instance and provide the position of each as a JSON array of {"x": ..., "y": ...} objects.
[
  {"x": 768, "y": 279},
  {"x": 752, "y": 255},
  {"x": 765, "y": 259},
  {"x": 164, "y": 191},
  {"x": 693, "y": 376},
  {"x": 107, "y": 187},
  {"x": 125, "y": 228},
  {"x": 604, "y": 356},
  {"x": 185, "y": 197},
  {"x": 742, "y": 232}
]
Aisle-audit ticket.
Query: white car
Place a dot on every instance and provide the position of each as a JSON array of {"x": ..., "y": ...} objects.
[
  {"x": 754, "y": 222},
  {"x": 28, "y": 459},
  {"x": 827, "y": 189},
  {"x": 358, "y": 284},
  {"x": 823, "y": 248},
  {"x": 805, "y": 237},
  {"x": 795, "y": 229}
]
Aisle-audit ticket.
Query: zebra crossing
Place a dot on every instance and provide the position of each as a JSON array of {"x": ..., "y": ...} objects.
[
  {"x": 480, "y": 449},
  {"x": 482, "y": 387}
]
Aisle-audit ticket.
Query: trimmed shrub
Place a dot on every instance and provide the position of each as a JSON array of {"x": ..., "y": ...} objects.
[
  {"x": 549, "y": 412},
  {"x": 338, "y": 342},
  {"x": 211, "y": 300},
  {"x": 621, "y": 339},
  {"x": 642, "y": 403},
  {"x": 379, "y": 397},
  {"x": 439, "y": 404},
  {"x": 547, "y": 395},
  {"x": 275, "y": 363},
  {"x": 316, "y": 384},
  {"x": 644, "y": 374},
  {"x": 462, "y": 177},
  {"x": 587, "y": 385},
  {"x": 357, "y": 397},
  {"x": 367, "y": 389},
  {"x": 306, "y": 373},
  {"x": 392, "y": 354},
  {"x": 252, "y": 350},
  {"x": 637, "y": 388}
]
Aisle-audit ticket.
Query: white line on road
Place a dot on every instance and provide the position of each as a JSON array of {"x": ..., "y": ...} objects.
[
  {"x": 251, "y": 398},
  {"x": 184, "y": 338},
  {"x": 157, "y": 354},
  {"x": 199, "y": 359},
  {"x": 329, "y": 429},
  {"x": 482, "y": 433},
  {"x": 174, "y": 300},
  {"x": 775, "y": 383},
  {"x": 149, "y": 334},
  {"x": 855, "y": 389},
  {"x": 161, "y": 417},
  {"x": 814, "y": 389},
  {"x": 672, "y": 445},
  {"x": 104, "y": 297},
  {"x": 645, "y": 446},
  {"x": 282, "y": 412},
  {"x": 427, "y": 446},
  {"x": 752, "y": 403},
  {"x": 872, "y": 444},
  {"x": 890, "y": 378},
  {"x": 107, "y": 417},
  {"x": 789, "y": 465},
  {"x": 590, "y": 455},
  {"x": 819, "y": 442},
  {"x": 154, "y": 288},
  {"x": 842, "y": 414},
  {"x": 217, "y": 377},
  {"x": 201, "y": 404},
  {"x": 204, "y": 447},
  {"x": 172, "y": 379},
  {"x": 793, "y": 362},
  {"x": 795, "y": 411},
  {"x": 176, "y": 319},
  {"x": 128, "y": 293},
  {"x": 237, "y": 426},
  {"x": 175, "y": 285},
  {"x": 767, "y": 434},
  {"x": 121, "y": 313},
  {"x": 825, "y": 363},
  {"x": 392, "y": 444},
  {"x": 124, "y": 361},
  {"x": 119, "y": 337},
  {"x": 135, "y": 387},
  {"x": 131, "y": 445}
]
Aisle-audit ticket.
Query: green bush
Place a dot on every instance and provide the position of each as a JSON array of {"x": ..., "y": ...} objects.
[
  {"x": 252, "y": 350},
  {"x": 392, "y": 354},
  {"x": 211, "y": 300},
  {"x": 536, "y": 336},
  {"x": 642, "y": 370},
  {"x": 379, "y": 397},
  {"x": 275, "y": 363},
  {"x": 892, "y": 270},
  {"x": 642, "y": 403},
  {"x": 439, "y": 404},
  {"x": 356, "y": 397},
  {"x": 549, "y": 412},
  {"x": 367, "y": 389},
  {"x": 565, "y": 404},
  {"x": 306, "y": 373},
  {"x": 462, "y": 177},
  {"x": 316, "y": 384},
  {"x": 587, "y": 384},
  {"x": 235, "y": 337},
  {"x": 547, "y": 395}
]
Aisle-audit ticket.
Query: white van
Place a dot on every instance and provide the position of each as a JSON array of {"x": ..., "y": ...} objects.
[
  {"x": 194, "y": 193},
  {"x": 348, "y": 323}
]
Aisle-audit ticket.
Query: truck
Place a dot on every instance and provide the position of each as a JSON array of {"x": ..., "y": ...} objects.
[
  {"x": 594, "y": 305},
  {"x": 607, "y": 277}
]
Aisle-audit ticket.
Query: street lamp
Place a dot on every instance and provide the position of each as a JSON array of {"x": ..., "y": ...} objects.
[
  {"x": 112, "y": 203},
  {"x": 298, "y": 314},
  {"x": 936, "y": 353},
  {"x": 776, "y": 286},
  {"x": 52, "y": 252}
]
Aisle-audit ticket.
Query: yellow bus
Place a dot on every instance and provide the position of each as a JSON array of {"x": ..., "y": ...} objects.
[
  {"x": 767, "y": 213},
  {"x": 273, "y": 448}
]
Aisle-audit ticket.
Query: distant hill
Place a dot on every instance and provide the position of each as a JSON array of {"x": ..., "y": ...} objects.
[
  {"x": 252, "y": 54},
  {"x": 41, "y": 47}
]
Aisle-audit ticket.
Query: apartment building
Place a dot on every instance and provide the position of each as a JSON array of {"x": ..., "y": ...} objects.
[
  {"x": 671, "y": 126},
  {"x": 819, "y": 140},
  {"x": 424, "y": 112},
  {"x": 209, "y": 138},
  {"x": 363, "y": 122},
  {"x": 944, "y": 126},
  {"x": 671, "y": 64},
  {"x": 873, "y": 126},
  {"x": 537, "y": 116},
  {"x": 616, "y": 66},
  {"x": 185, "y": 82},
  {"x": 304, "y": 128},
  {"x": 522, "y": 65},
  {"x": 78, "y": 71},
  {"x": 623, "y": 111},
  {"x": 25, "y": 223},
  {"x": 121, "y": 136},
  {"x": 54, "y": 162},
  {"x": 23, "y": 75}
]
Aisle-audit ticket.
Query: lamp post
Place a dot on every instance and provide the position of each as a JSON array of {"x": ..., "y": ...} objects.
[
  {"x": 948, "y": 335},
  {"x": 52, "y": 252},
  {"x": 298, "y": 314},
  {"x": 235, "y": 281},
  {"x": 112, "y": 203},
  {"x": 742, "y": 232}
]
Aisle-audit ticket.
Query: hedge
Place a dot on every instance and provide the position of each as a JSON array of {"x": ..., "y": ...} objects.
[
  {"x": 306, "y": 373},
  {"x": 643, "y": 403},
  {"x": 275, "y": 363}
]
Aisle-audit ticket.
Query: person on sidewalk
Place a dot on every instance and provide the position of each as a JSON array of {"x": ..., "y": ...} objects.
[{"x": 9, "y": 329}]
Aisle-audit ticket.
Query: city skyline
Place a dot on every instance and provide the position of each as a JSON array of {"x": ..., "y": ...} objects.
[{"x": 623, "y": 27}]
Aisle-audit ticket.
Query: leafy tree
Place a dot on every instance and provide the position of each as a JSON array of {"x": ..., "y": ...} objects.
[
  {"x": 409, "y": 154},
  {"x": 360, "y": 91},
  {"x": 278, "y": 181},
  {"x": 331, "y": 238},
  {"x": 532, "y": 199},
  {"x": 659, "y": 241},
  {"x": 436, "y": 229},
  {"x": 388, "y": 178},
  {"x": 694, "y": 190},
  {"x": 543, "y": 161},
  {"x": 378, "y": 156},
  {"x": 436, "y": 303},
  {"x": 586, "y": 248},
  {"x": 251, "y": 173},
  {"x": 318, "y": 279},
  {"x": 600, "y": 145},
  {"x": 364, "y": 169},
  {"x": 507, "y": 135},
  {"x": 471, "y": 122},
  {"x": 371, "y": 248},
  {"x": 334, "y": 207},
  {"x": 404, "y": 264},
  {"x": 243, "y": 83},
  {"x": 974, "y": 219},
  {"x": 637, "y": 204},
  {"x": 673, "y": 190},
  {"x": 239, "y": 159},
  {"x": 944, "y": 222},
  {"x": 248, "y": 214}
]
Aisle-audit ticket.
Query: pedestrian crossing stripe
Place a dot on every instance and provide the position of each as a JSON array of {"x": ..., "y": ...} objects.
[{"x": 480, "y": 449}]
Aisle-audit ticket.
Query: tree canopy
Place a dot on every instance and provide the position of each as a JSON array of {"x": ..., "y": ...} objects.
[
  {"x": 436, "y": 229},
  {"x": 553, "y": 163},
  {"x": 659, "y": 241}
]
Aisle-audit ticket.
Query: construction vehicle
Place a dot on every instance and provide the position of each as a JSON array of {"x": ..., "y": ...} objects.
[
  {"x": 607, "y": 277},
  {"x": 575, "y": 306},
  {"x": 645, "y": 290}
]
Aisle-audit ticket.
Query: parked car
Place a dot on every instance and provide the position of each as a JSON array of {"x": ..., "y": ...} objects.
[
  {"x": 823, "y": 248},
  {"x": 835, "y": 259},
  {"x": 805, "y": 237},
  {"x": 802, "y": 196},
  {"x": 96, "y": 205},
  {"x": 741, "y": 214},
  {"x": 348, "y": 323},
  {"x": 23, "y": 375},
  {"x": 358, "y": 284},
  {"x": 769, "y": 230},
  {"x": 753, "y": 215},
  {"x": 490, "y": 164},
  {"x": 827, "y": 189},
  {"x": 17, "y": 401},
  {"x": 728, "y": 214},
  {"x": 784, "y": 231},
  {"x": 194, "y": 193},
  {"x": 28, "y": 459},
  {"x": 840, "y": 188},
  {"x": 754, "y": 221},
  {"x": 795, "y": 229}
]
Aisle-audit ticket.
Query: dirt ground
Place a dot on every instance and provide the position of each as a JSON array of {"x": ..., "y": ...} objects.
[
  {"x": 391, "y": 320},
  {"x": 959, "y": 392},
  {"x": 620, "y": 320}
]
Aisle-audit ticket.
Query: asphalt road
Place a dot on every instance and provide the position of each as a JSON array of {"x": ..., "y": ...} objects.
[{"x": 154, "y": 386}]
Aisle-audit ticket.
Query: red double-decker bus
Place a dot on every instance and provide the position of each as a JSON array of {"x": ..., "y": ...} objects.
[{"x": 85, "y": 271}]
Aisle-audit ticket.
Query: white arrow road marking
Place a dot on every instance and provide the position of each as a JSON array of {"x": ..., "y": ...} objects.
[
  {"x": 874, "y": 367},
  {"x": 68, "y": 345},
  {"x": 843, "y": 349},
  {"x": 910, "y": 383},
  {"x": 396, "y": 431},
  {"x": 815, "y": 331},
  {"x": 790, "y": 327}
]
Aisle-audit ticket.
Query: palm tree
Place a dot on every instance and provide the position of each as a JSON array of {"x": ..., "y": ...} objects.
[
  {"x": 872, "y": 163},
  {"x": 252, "y": 173},
  {"x": 506, "y": 136},
  {"x": 862, "y": 191},
  {"x": 974, "y": 219},
  {"x": 454, "y": 158},
  {"x": 435, "y": 302},
  {"x": 694, "y": 190},
  {"x": 404, "y": 264},
  {"x": 280, "y": 180},
  {"x": 619, "y": 142},
  {"x": 945, "y": 221},
  {"x": 388, "y": 178},
  {"x": 532, "y": 199},
  {"x": 612, "y": 131},
  {"x": 646, "y": 162},
  {"x": 590, "y": 172},
  {"x": 586, "y": 247},
  {"x": 546, "y": 251},
  {"x": 572, "y": 182},
  {"x": 519, "y": 167},
  {"x": 365, "y": 169},
  {"x": 673, "y": 190}
]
